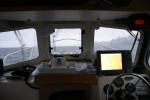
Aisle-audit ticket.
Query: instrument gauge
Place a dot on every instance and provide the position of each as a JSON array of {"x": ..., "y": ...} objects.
[
  {"x": 111, "y": 90},
  {"x": 130, "y": 87},
  {"x": 119, "y": 82}
]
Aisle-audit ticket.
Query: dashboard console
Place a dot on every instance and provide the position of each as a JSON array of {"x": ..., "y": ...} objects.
[{"x": 127, "y": 83}]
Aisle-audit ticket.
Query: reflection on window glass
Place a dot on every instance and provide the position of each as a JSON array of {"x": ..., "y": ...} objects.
[
  {"x": 18, "y": 46},
  {"x": 66, "y": 41},
  {"x": 116, "y": 39}
]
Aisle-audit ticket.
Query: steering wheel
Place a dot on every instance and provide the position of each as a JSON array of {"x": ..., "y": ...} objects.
[{"x": 126, "y": 94}]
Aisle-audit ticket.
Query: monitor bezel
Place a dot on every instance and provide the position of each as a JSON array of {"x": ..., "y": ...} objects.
[{"x": 99, "y": 70}]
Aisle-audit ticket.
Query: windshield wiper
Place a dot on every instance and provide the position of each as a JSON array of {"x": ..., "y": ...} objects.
[
  {"x": 135, "y": 41},
  {"x": 21, "y": 42},
  {"x": 19, "y": 37},
  {"x": 132, "y": 34}
]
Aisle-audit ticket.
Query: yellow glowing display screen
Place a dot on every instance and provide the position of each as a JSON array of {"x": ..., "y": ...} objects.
[{"x": 111, "y": 61}]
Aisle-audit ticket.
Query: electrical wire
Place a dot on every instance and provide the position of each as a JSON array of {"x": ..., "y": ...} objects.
[{"x": 28, "y": 84}]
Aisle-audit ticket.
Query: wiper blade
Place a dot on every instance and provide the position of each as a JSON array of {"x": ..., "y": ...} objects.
[
  {"x": 21, "y": 42},
  {"x": 134, "y": 41},
  {"x": 19, "y": 37},
  {"x": 132, "y": 34}
]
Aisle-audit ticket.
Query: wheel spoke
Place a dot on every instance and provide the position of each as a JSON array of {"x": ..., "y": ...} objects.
[
  {"x": 125, "y": 93},
  {"x": 118, "y": 85},
  {"x": 134, "y": 85}
]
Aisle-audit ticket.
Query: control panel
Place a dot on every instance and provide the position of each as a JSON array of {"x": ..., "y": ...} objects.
[{"x": 131, "y": 86}]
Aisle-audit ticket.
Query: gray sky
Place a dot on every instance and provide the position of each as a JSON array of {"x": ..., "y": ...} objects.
[
  {"x": 29, "y": 37},
  {"x": 74, "y": 34},
  {"x": 9, "y": 39},
  {"x": 107, "y": 34}
]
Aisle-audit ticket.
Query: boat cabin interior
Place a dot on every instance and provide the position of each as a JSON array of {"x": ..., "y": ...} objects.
[{"x": 75, "y": 49}]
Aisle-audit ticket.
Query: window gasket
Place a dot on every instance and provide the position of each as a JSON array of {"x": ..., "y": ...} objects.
[
  {"x": 72, "y": 55},
  {"x": 15, "y": 30}
]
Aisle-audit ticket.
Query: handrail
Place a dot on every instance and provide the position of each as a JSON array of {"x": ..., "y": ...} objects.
[
  {"x": 107, "y": 47},
  {"x": 31, "y": 54},
  {"x": 15, "y": 53}
]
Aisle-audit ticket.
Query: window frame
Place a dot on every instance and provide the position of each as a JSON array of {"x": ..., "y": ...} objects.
[
  {"x": 147, "y": 58},
  {"x": 138, "y": 46},
  {"x": 7, "y": 67},
  {"x": 73, "y": 55}
]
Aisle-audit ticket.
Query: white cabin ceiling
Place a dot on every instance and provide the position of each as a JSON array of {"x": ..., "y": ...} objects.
[{"x": 65, "y": 15}]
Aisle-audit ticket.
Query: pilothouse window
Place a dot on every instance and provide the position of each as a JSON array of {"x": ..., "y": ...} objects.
[
  {"x": 66, "y": 41},
  {"x": 18, "y": 46},
  {"x": 116, "y": 39}
]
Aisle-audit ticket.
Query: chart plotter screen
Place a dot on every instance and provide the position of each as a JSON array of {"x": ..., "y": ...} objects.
[{"x": 111, "y": 61}]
